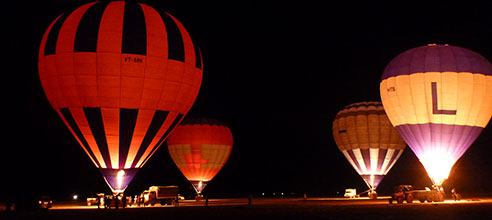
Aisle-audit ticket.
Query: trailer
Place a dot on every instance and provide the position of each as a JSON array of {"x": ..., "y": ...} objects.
[
  {"x": 406, "y": 193},
  {"x": 428, "y": 195},
  {"x": 165, "y": 195}
]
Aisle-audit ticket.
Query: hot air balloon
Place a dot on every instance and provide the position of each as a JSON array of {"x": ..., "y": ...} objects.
[
  {"x": 439, "y": 98},
  {"x": 200, "y": 148},
  {"x": 121, "y": 75},
  {"x": 367, "y": 139}
]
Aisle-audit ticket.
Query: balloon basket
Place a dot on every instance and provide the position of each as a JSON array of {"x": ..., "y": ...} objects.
[
  {"x": 198, "y": 198},
  {"x": 373, "y": 195}
]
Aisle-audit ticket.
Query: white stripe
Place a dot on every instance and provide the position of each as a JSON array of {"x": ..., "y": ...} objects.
[
  {"x": 360, "y": 160},
  {"x": 374, "y": 154},
  {"x": 352, "y": 162},
  {"x": 387, "y": 159},
  {"x": 396, "y": 159}
]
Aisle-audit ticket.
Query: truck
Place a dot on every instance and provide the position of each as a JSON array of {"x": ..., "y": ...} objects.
[
  {"x": 350, "y": 193},
  {"x": 406, "y": 193},
  {"x": 165, "y": 195}
]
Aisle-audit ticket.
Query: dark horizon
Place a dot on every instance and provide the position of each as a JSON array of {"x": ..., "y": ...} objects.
[{"x": 275, "y": 74}]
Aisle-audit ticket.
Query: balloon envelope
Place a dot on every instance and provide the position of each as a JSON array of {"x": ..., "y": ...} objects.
[
  {"x": 121, "y": 75},
  {"x": 200, "y": 148},
  {"x": 367, "y": 139},
  {"x": 439, "y": 97}
]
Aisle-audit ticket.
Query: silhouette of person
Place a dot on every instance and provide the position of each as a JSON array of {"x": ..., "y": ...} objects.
[
  {"x": 123, "y": 201},
  {"x": 107, "y": 202},
  {"x": 116, "y": 201},
  {"x": 454, "y": 194}
]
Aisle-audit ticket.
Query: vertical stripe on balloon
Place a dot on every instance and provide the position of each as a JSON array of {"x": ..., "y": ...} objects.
[
  {"x": 374, "y": 154},
  {"x": 168, "y": 131},
  {"x": 174, "y": 38},
  {"x": 155, "y": 125},
  {"x": 360, "y": 159},
  {"x": 88, "y": 28},
  {"x": 366, "y": 158},
  {"x": 128, "y": 120},
  {"x": 94, "y": 117},
  {"x": 73, "y": 125},
  {"x": 198, "y": 56},
  {"x": 351, "y": 161},
  {"x": 134, "y": 30},
  {"x": 387, "y": 159},
  {"x": 50, "y": 46},
  {"x": 381, "y": 158}
]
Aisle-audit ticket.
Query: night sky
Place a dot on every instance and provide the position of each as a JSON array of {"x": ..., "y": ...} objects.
[{"x": 275, "y": 73}]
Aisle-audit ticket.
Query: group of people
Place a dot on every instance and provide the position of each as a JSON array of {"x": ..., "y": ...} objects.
[
  {"x": 116, "y": 201},
  {"x": 119, "y": 201}
]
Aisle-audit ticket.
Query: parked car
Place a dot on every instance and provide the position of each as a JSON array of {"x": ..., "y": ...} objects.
[{"x": 45, "y": 202}]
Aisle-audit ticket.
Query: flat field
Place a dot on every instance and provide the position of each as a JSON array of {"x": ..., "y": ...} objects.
[{"x": 288, "y": 208}]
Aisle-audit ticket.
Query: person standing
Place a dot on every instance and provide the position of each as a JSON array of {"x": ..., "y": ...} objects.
[
  {"x": 455, "y": 195},
  {"x": 107, "y": 202},
  {"x": 116, "y": 202},
  {"x": 123, "y": 200}
]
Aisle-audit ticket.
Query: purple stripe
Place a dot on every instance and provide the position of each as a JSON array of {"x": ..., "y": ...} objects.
[
  {"x": 393, "y": 159},
  {"x": 366, "y": 156},
  {"x": 377, "y": 180},
  {"x": 468, "y": 136},
  {"x": 414, "y": 134},
  {"x": 355, "y": 161},
  {"x": 381, "y": 157},
  {"x": 111, "y": 176},
  {"x": 437, "y": 58},
  {"x": 455, "y": 139},
  {"x": 196, "y": 185}
]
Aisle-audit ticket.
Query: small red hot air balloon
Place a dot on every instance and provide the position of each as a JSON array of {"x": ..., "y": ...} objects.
[
  {"x": 121, "y": 75},
  {"x": 200, "y": 148}
]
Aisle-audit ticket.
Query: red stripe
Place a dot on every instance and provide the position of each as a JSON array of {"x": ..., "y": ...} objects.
[
  {"x": 110, "y": 33},
  {"x": 66, "y": 37},
  {"x": 156, "y": 33}
]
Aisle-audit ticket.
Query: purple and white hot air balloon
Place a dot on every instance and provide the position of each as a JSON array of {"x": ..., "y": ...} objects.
[{"x": 439, "y": 97}]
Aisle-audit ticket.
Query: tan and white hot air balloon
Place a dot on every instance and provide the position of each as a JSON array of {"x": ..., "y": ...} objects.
[{"x": 367, "y": 139}]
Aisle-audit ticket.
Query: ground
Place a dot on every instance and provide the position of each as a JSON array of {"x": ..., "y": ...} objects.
[{"x": 320, "y": 208}]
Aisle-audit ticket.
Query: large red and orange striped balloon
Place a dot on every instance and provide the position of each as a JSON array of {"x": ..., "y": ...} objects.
[
  {"x": 121, "y": 75},
  {"x": 367, "y": 139},
  {"x": 439, "y": 97},
  {"x": 200, "y": 148}
]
